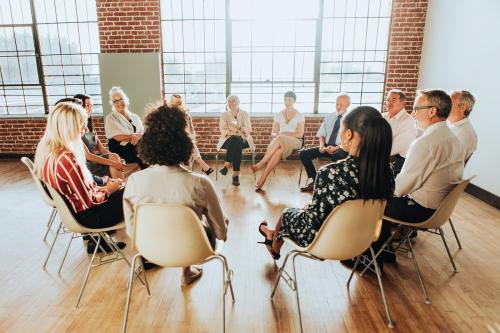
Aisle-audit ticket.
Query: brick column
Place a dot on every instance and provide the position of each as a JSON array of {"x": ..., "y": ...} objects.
[{"x": 405, "y": 46}]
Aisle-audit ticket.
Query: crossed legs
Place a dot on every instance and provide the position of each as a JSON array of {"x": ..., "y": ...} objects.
[{"x": 270, "y": 160}]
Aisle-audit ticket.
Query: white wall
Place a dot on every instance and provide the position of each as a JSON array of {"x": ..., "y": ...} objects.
[{"x": 461, "y": 50}]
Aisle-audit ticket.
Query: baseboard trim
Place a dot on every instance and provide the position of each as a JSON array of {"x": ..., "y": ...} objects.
[{"x": 483, "y": 195}]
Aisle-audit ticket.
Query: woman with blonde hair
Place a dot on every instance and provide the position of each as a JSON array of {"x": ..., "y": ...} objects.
[
  {"x": 60, "y": 162},
  {"x": 176, "y": 101}
]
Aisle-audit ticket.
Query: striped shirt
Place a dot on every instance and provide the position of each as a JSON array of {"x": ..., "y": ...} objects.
[{"x": 65, "y": 175}]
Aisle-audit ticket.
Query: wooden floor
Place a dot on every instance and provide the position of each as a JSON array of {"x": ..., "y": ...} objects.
[{"x": 37, "y": 300}]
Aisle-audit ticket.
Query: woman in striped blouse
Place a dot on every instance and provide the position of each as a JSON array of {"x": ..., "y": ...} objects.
[{"x": 60, "y": 162}]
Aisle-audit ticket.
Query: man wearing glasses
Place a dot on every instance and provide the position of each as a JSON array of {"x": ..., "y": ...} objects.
[
  {"x": 402, "y": 125},
  {"x": 433, "y": 165}
]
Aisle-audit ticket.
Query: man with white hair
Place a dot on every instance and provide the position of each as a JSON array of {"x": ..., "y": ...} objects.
[
  {"x": 458, "y": 121},
  {"x": 329, "y": 141},
  {"x": 402, "y": 125}
]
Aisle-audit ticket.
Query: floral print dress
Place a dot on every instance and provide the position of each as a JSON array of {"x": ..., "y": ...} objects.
[{"x": 335, "y": 183}]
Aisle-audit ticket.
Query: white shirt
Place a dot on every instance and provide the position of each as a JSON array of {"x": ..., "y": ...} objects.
[
  {"x": 116, "y": 124},
  {"x": 403, "y": 132},
  {"x": 292, "y": 125},
  {"x": 434, "y": 164},
  {"x": 174, "y": 185},
  {"x": 465, "y": 133}
]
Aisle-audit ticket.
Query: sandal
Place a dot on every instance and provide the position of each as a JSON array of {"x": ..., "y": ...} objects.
[{"x": 268, "y": 243}]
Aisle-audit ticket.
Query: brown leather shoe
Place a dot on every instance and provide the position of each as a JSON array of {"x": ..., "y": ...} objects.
[{"x": 308, "y": 188}]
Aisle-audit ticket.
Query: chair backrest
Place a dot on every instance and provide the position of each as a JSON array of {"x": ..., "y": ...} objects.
[
  {"x": 349, "y": 230},
  {"x": 445, "y": 209},
  {"x": 170, "y": 235},
  {"x": 67, "y": 218},
  {"x": 38, "y": 182}
]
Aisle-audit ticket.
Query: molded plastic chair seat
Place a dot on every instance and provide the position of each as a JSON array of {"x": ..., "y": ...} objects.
[
  {"x": 172, "y": 236},
  {"x": 346, "y": 233}
]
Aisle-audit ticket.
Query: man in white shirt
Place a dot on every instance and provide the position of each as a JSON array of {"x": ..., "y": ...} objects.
[
  {"x": 402, "y": 124},
  {"x": 329, "y": 140},
  {"x": 433, "y": 165},
  {"x": 458, "y": 121}
]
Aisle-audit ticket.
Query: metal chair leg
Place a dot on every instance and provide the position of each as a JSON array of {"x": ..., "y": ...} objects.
[
  {"x": 50, "y": 222},
  {"x": 455, "y": 233},
  {"x": 129, "y": 293},
  {"x": 441, "y": 232},
  {"x": 52, "y": 246},
  {"x": 216, "y": 166},
  {"x": 253, "y": 163},
  {"x": 294, "y": 276},
  {"x": 86, "y": 278},
  {"x": 412, "y": 255},
  {"x": 280, "y": 273},
  {"x": 66, "y": 252},
  {"x": 377, "y": 270},
  {"x": 358, "y": 258},
  {"x": 300, "y": 174}
]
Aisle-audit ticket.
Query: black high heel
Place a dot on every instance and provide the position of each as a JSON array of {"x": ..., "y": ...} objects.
[{"x": 268, "y": 243}]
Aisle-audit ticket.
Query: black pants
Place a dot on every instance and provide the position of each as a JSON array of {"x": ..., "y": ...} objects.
[
  {"x": 127, "y": 152},
  {"x": 104, "y": 215},
  {"x": 397, "y": 162},
  {"x": 404, "y": 209},
  {"x": 308, "y": 155},
  {"x": 234, "y": 148}
]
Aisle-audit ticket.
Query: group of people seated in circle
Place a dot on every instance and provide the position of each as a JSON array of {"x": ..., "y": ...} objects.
[{"x": 411, "y": 160}]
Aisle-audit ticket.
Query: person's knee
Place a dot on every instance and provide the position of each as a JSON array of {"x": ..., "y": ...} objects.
[{"x": 114, "y": 157}]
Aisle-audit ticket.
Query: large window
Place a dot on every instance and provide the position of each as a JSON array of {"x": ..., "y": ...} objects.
[
  {"x": 48, "y": 50},
  {"x": 260, "y": 49}
]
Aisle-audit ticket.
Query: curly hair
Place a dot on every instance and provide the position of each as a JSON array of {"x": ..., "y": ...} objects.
[{"x": 166, "y": 140}]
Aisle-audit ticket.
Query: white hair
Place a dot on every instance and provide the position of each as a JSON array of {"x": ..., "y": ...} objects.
[
  {"x": 345, "y": 95},
  {"x": 233, "y": 98},
  {"x": 120, "y": 91}
]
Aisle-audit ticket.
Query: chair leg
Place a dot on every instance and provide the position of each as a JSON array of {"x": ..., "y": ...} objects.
[
  {"x": 294, "y": 276},
  {"x": 253, "y": 163},
  {"x": 129, "y": 294},
  {"x": 455, "y": 233},
  {"x": 86, "y": 278},
  {"x": 52, "y": 246},
  {"x": 66, "y": 252},
  {"x": 441, "y": 232},
  {"x": 410, "y": 247},
  {"x": 280, "y": 274},
  {"x": 358, "y": 258},
  {"x": 50, "y": 222},
  {"x": 300, "y": 174},
  {"x": 216, "y": 166},
  {"x": 377, "y": 270}
]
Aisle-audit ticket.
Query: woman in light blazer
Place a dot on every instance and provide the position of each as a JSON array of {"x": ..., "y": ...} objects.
[
  {"x": 166, "y": 145},
  {"x": 235, "y": 128}
]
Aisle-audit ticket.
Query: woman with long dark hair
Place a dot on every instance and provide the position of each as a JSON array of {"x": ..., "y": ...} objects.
[{"x": 364, "y": 174}]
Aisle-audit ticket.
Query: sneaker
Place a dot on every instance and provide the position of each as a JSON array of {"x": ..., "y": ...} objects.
[
  {"x": 223, "y": 171},
  {"x": 195, "y": 275},
  {"x": 236, "y": 181},
  {"x": 308, "y": 188},
  {"x": 91, "y": 246},
  {"x": 209, "y": 171}
]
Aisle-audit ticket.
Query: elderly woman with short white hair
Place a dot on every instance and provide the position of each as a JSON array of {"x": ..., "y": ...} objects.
[
  {"x": 123, "y": 128},
  {"x": 235, "y": 128}
]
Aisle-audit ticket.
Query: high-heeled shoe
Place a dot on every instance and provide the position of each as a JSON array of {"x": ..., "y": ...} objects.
[
  {"x": 268, "y": 242},
  {"x": 209, "y": 171}
]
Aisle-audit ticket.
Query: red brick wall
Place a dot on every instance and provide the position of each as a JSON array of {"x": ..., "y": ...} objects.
[
  {"x": 405, "y": 46},
  {"x": 128, "y": 26},
  {"x": 21, "y": 135}
]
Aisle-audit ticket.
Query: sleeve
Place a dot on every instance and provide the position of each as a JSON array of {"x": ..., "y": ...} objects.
[
  {"x": 223, "y": 125},
  {"x": 112, "y": 127},
  {"x": 247, "y": 124},
  {"x": 208, "y": 199},
  {"x": 419, "y": 163},
  {"x": 322, "y": 129},
  {"x": 138, "y": 124},
  {"x": 128, "y": 206}
]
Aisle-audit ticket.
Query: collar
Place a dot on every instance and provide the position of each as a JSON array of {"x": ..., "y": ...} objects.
[
  {"x": 460, "y": 122},
  {"x": 400, "y": 115},
  {"x": 434, "y": 127},
  {"x": 171, "y": 168}
]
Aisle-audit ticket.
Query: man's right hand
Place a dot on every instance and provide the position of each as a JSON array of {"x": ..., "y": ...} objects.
[
  {"x": 331, "y": 149},
  {"x": 322, "y": 149}
]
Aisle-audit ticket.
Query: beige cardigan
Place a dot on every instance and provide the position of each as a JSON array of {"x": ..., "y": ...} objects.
[
  {"x": 175, "y": 185},
  {"x": 241, "y": 124}
]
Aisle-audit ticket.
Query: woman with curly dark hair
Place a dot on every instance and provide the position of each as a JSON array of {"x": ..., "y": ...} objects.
[{"x": 166, "y": 146}]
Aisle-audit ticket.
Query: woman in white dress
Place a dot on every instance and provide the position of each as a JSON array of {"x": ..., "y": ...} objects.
[{"x": 287, "y": 135}]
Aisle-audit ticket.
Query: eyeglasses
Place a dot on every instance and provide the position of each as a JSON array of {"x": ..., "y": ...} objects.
[
  {"x": 416, "y": 108},
  {"x": 117, "y": 100}
]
